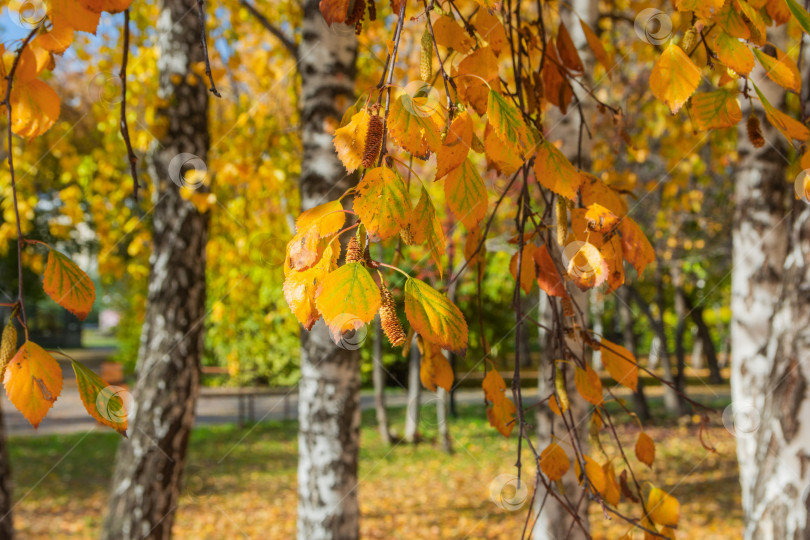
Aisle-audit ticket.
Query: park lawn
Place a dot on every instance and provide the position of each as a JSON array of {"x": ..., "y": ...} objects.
[{"x": 240, "y": 483}]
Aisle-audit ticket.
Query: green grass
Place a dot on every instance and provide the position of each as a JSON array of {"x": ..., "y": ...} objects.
[{"x": 406, "y": 491}]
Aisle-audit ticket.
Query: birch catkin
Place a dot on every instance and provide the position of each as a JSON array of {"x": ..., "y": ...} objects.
[
  {"x": 389, "y": 320},
  {"x": 8, "y": 346},
  {"x": 374, "y": 136},
  {"x": 426, "y": 56}
]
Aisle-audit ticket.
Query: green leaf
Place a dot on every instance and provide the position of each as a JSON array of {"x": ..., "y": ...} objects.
[
  {"x": 466, "y": 194},
  {"x": 382, "y": 202},
  {"x": 102, "y": 401},
  {"x": 69, "y": 285},
  {"x": 801, "y": 15},
  {"x": 435, "y": 317},
  {"x": 507, "y": 122}
]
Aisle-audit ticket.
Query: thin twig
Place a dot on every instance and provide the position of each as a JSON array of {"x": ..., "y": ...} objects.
[
  {"x": 133, "y": 160},
  {"x": 204, "y": 39}
]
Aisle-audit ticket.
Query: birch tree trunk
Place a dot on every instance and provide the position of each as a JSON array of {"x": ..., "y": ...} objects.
[
  {"x": 770, "y": 341},
  {"x": 149, "y": 465},
  {"x": 329, "y": 390}
]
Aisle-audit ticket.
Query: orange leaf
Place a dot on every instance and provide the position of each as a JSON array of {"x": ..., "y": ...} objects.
[
  {"x": 334, "y": 10},
  {"x": 568, "y": 51},
  {"x": 554, "y": 462},
  {"x": 716, "y": 110},
  {"x": 594, "y": 473},
  {"x": 33, "y": 382},
  {"x": 636, "y": 248},
  {"x": 586, "y": 266},
  {"x": 645, "y": 449},
  {"x": 500, "y": 155},
  {"x": 450, "y": 34},
  {"x": 787, "y": 126},
  {"x": 557, "y": 88},
  {"x": 102, "y": 401},
  {"x": 612, "y": 491},
  {"x": 456, "y": 145},
  {"x": 548, "y": 278},
  {"x": 501, "y": 416},
  {"x": 435, "y": 370},
  {"x": 620, "y": 363},
  {"x": 34, "y": 108},
  {"x": 612, "y": 255},
  {"x": 329, "y": 217},
  {"x": 75, "y": 15},
  {"x": 473, "y": 91},
  {"x": 494, "y": 387},
  {"x": 434, "y": 316},
  {"x": 553, "y": 170},
  {"x": 69, "y": 285},
  {"x": 588, "y": 385},
  {"x": 734, "y": 53},
  {"x": 674, "y": 77},
  {"x": 598, "y": 49},
  {"x": 300, "y": 288},
  {"x": 507, "y": 122},
  {"x": 491, "y": 29},
  {"x": 528, "y": 273},
  {"x": 782, "y": 70}
]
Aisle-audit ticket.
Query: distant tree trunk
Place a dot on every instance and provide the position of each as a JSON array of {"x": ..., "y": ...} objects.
[
  {"x": 697, "y": 350},
  {"x": 441, "y": 419},
  {"x": 680, "y": 328},
  {"x": 630, "y": 341},
  {"x": 378, "y": 379},
  {"x": 149, "y": 465},
  {"x": 705, "y": 336},
  {"x": 597, "y": 311},
  {"x": 671, "y": 398},
  {"x": 6, "y": 493},
  {"x": 329, "y": 391},
  {"x": 414, "y": 395}
]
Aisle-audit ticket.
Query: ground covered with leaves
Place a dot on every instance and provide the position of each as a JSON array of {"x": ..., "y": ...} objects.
[{"x": 242, "y": 482}]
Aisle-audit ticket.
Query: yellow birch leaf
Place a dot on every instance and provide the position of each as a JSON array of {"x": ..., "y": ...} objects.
[
  {"x": 553, "y": 170},
  {"x": 663, "y": 508},
  {"x": 594, "y": 473},
  {"x": 350, "y": 140},
  {"x": 382, "y": 202},
  {"x": 600, "y": 219},
  {"x": 503, "y": 157},
  {"x": 734, "y": 53},
  {"x": 782, "y": 70},
  {"x": 501, "y": 416},
  {"x": 33, "y": 381},
  {"x": 34, "y": 108},
  {"x": 427, "y": 229},
  {"x": 596, "y": 46},
  {"x": 507, "y": 121},
  {"x": 466, "y": 194},
  {"x": 620, "y": 363},
  {"x": 434, "y": 316},
  {"x": 414, "y": 124},
  {"x": 674, "y": 77},
  {"x": 349, "y": 290},
  {"x": 100, "y": 400},
  {"x": 612, "y": 492}
]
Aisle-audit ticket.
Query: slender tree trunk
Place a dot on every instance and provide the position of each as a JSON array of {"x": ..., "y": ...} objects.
[
  {"x": 697, "y": 350},
  {"x": 769, "y": 357},
  {"x": 329, "y": 391},
  {"x": 680, "y": 328},
  {"x": 596, "y": 312},
  {"x": 671, "y": 398},
  {"x": 6, "y": 493},
  {"x": 414, "y": 395},
  {"x": 441, "y": 419},
  {"x": 705, "y": 337},
  {"x": 630, "y": 341},
  {"x": 378, "y": 379},
  {"x": 149, "y": 465}
]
